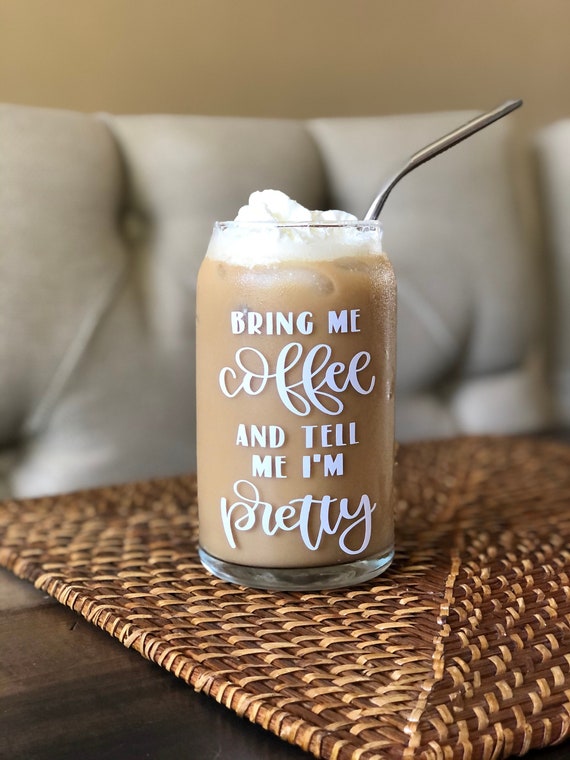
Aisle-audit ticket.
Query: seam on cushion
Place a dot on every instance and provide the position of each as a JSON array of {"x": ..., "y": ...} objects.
[
  {"x": 325, "y": 189},
  {"x": 74, "y": 352},
  {"x": 428, "y": 315}
]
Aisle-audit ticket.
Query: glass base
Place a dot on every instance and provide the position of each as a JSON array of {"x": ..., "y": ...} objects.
[{"x": 299, "y": 578}]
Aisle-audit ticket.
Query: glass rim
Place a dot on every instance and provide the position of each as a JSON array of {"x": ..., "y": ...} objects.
[{"x": 371, "y": 224}]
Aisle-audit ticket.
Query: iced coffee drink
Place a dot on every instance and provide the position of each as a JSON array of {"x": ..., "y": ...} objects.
[{"x": 295, "y": 397}]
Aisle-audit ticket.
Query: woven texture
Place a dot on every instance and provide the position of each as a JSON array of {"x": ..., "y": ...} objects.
[{"x": 461, "y": 650}]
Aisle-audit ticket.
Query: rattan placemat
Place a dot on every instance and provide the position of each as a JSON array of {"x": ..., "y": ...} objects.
[{"x": 462, "y": 650}]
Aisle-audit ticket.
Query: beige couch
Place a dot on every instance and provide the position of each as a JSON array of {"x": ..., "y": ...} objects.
[{"x": 103, "y": 223}]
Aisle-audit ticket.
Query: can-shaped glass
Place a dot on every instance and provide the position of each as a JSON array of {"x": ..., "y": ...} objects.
[{"x": 295, "y": 334}]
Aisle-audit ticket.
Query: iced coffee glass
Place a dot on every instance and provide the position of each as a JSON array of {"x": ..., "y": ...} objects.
[{"x": 296, "y": 328}]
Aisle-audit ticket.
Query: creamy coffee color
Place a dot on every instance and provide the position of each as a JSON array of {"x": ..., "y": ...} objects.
[{"x": 295, "y": 402}]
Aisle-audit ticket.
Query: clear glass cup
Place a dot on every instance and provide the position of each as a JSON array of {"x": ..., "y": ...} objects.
[{"x": 296, "y": 330}]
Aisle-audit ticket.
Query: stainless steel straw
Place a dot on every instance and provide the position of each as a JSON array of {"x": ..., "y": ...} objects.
[{"x": 437, "y": 147}]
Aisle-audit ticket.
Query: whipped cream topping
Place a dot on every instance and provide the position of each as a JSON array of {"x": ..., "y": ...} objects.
[
  {"x": 275, "y": 206},
  {"x": 274, "y": 228}
]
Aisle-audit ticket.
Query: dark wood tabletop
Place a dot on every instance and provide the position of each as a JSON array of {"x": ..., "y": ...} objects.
[{"x": 69, "y": 691}]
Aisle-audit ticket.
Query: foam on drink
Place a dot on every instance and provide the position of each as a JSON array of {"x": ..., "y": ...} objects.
[{"x": 272, "y": 227}]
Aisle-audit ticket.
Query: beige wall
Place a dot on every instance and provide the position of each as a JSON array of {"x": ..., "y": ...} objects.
[{"x": 287, "y": 57}]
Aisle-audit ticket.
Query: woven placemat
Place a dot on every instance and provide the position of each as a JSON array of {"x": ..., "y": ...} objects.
[{"x": 462, "y": 650}]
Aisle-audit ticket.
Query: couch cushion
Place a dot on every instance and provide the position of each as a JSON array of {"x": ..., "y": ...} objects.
[
  {"x": 452, "y": 230},
  {"x": 116, "y": 399},
  {"x": 61, "y": 257}
]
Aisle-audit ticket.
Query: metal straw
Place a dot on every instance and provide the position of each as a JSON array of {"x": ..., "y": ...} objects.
[{"x": 437, "y": 147}]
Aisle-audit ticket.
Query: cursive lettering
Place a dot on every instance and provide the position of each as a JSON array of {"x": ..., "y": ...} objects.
[
  {"x": 313, "y": 517},
  {"x": 322, "y": 380}
]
